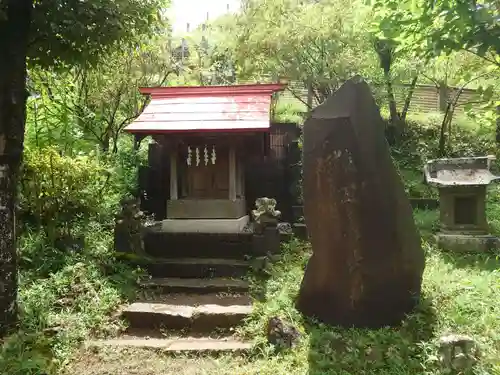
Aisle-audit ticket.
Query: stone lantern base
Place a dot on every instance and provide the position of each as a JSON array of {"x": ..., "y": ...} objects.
[
  {"x": 464, "y": 227},
  {"x": 467, "y": 243}
]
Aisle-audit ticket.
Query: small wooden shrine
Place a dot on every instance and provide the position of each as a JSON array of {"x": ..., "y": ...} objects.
[{"x": 207, "y": 133}]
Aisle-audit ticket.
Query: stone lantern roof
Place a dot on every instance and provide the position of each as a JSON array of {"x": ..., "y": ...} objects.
[{"x": 467, "y": 171}]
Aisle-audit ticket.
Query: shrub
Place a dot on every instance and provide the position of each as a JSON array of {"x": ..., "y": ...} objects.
[{"x": 58, "y": 191}]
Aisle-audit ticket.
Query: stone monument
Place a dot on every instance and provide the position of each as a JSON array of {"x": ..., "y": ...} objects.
[
  {"x": 367, "y": 263},
  {"x": 462, "y": 184}
]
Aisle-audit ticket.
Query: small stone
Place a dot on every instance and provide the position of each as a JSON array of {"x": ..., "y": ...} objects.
[
  {"x": 52, "y": 331},
  {"x": 373, "y": 354},
  {"x": 284, "y": 228},
  {"x": 281, "y": 334},
  {"x": 458, "y": 352}
]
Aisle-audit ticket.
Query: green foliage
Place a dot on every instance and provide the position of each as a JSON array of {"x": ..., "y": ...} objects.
[
  {"x": 428, "y": 223},
  {"x": 126, "y": 163},
  {"x": 209, "y": 61},
  {"x": 49, "y": 118},
  {"x": 58, "y": 191},
  {"x": 27, "y": 354},
  {"x": 289, "y": 111},
  {"x": 86, "y": 105},
  {"x": 67, "y": 189},
  {"x": 77, "y": 33},
  {"x": 443, "y": 26},
  {"x": 458, "y": 41},
  {"x": 296, "y": 40},
  {"x": 108, "y": 94},
  {"x": 68, "y": 293},
  {"x": 63, "y": 195}
]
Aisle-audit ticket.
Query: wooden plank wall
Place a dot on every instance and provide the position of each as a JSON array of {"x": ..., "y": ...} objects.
[{"x": 425, "y": 97}]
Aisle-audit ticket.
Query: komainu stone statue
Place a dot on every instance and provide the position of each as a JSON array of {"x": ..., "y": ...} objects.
[
  {"x": 265, "y": 213},
  {"x": 367, "y": 263},
  {"x": 128, "y": 228}
]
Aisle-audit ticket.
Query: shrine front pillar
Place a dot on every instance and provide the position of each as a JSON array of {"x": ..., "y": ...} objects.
[
  {"x": 232, "y": 173},
  {"x": 173, "y": 175}
]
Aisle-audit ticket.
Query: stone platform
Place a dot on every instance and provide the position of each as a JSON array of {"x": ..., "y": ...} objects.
[
  {"x": 467, "y": 243},
  {"x": 206, "y": 208},
  {"x": 205, "y": 225}
]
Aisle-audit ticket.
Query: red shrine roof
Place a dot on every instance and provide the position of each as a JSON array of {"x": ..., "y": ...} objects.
[{"x": 206, "y": 108}]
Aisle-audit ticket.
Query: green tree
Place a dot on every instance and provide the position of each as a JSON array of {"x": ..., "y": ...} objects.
[
  {"x": 49, "y": 33},
  {"x": 319, "y": 44},
  {"x": 94, "y": 103},
  {"x": 207, "y": 56},
  {"x": 435, "y": 26},
  {"x": 391, "y": 65},
  {"x": 108, "y": 95},
  {"x": 467, "y": 30},
  {"x": 210, "y": 59}
]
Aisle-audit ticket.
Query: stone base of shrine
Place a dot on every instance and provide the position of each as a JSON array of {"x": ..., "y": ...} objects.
[
  {"x": 205, "y": 225},
  {"x": 190, "y": 208},
  {"x": 467, "y": 243}
]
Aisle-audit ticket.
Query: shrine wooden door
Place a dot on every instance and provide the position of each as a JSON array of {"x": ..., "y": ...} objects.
[{"x": 209, "y": 181}]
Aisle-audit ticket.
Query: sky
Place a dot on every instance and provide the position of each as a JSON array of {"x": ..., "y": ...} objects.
[{"x": 195, "y": 12}]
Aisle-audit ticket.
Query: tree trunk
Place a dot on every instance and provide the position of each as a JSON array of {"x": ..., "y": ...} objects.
[
  {"x": 14, "y": 34},
  {"x": 310, "y": 96},
  {"x": 447, "y": 121},
  {"x": 392, "y": 131},
  {"x": 105, "y": 141},
  {"x": 498, "y": 125},
  {"x": 393, "y": 109},
  {"x": 442, "y": 133},
  {"x": 406, "y": 106},
  {"x": 443, "y": 93}
]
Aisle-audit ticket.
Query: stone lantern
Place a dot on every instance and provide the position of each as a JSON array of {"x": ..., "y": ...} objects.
[{"x": 462, "y": 184}]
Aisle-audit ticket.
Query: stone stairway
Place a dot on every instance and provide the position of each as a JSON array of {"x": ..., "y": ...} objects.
[{"x": 195, "y": 297}]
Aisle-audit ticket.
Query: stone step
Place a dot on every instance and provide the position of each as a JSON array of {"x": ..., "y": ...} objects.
[
  {"x": 197, "y": 267},
  {"x": 196, "y": 345},
  {"x": 196, "y": 286},
  {"x": 198, "y": 245},
  {"x": 188, "y": 313},
  {"x": 223, "y": 299}
]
